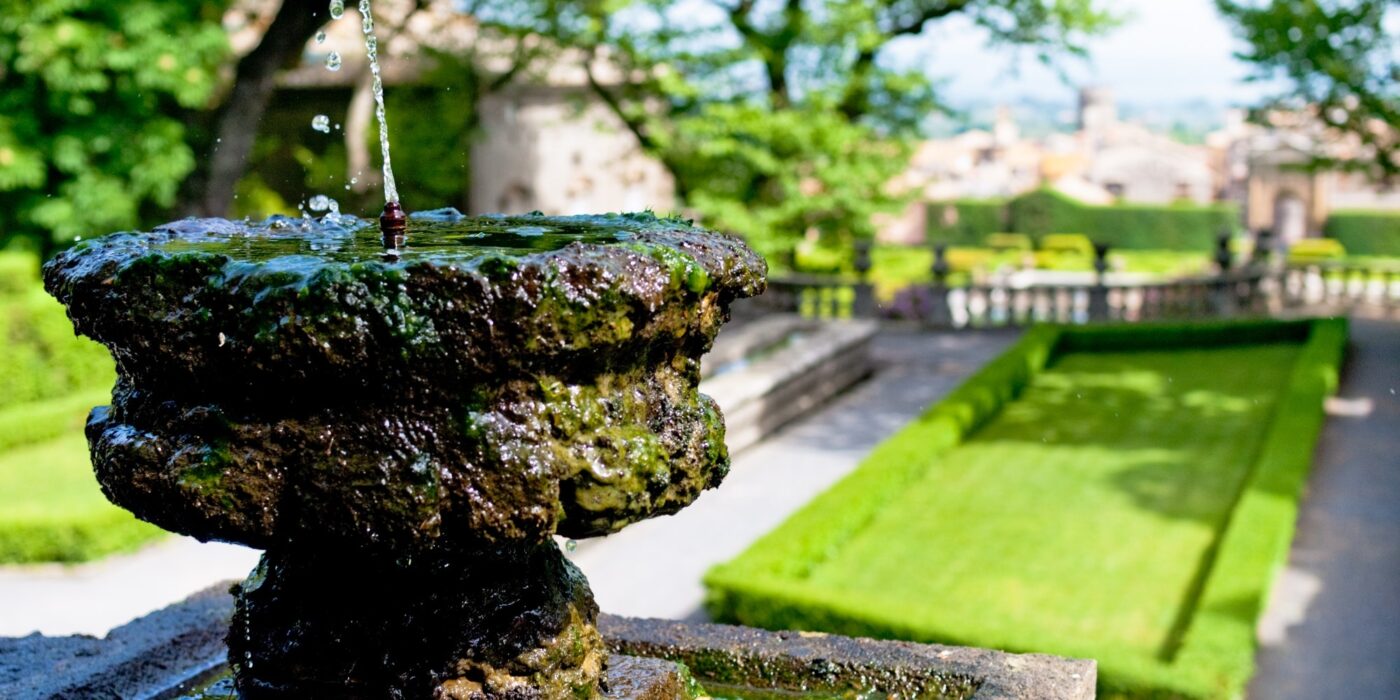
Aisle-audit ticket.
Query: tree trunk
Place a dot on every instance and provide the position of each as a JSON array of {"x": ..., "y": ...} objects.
[{"x": 236, "y": 125}]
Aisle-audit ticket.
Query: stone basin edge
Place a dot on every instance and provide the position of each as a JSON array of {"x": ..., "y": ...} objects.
[{"x": 153, "y": 656}]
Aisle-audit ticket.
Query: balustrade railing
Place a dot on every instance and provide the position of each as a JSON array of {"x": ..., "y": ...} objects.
[{"x": 1325, "y": 287}]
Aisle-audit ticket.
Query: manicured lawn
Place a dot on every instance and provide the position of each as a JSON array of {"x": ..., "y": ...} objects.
[
  {"x": 51, "y": 508},
  {"x": 1118, "y": 501}
]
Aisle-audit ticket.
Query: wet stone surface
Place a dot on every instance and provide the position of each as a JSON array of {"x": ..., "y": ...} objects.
[
  {"x": 484, "y": 395},
  {"x": 289, "y": 386}
]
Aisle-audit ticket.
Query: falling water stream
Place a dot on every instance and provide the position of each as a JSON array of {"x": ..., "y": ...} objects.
[
  {"x": 391, "y": 189},
  {"x": 393, "y": 222}
]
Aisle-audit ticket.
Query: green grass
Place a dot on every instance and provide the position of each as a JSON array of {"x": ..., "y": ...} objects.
[
  {"x": 51, "y": 508},
  {"x": 1117, "y": 493}
]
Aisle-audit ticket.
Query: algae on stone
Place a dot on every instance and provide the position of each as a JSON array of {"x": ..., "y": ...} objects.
[{"x": 429, "y": 416}]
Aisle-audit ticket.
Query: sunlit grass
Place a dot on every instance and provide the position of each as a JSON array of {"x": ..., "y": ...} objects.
[
  {"x": 51, "y": 508},
  {"x": 1079, "y": 519},
  {"x": 1129, "y": 502}
]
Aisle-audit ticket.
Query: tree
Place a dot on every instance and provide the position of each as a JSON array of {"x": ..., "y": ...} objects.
[
  {"x": 236, "y": 120},
  {"x": 787, "y": 118},
  {"x": 93, "y": 97},
  {"x": 1334, "y": 58}
]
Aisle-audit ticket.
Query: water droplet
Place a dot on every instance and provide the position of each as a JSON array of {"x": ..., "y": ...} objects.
[
  {"x": 323, "y": 203},
  {"x": 570, "y": 545},
  {"x": 337, "y": 9},
  {"x": 333, "y": 61},
  {"x": 321, "y": 123},
  {"x": 321, "y": 37}
]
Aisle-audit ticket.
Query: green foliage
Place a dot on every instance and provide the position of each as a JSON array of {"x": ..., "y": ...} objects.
[
  {"x": 1183, "y": 227},
  {"x": 1124, "y": 493},
  {"x": 91, "y": 102},
  {"x": 1123, "y": 226},
  {"x": 40, "y": 356},
  {"x": 1334, "y": 58},
  {"x": 40, "y": 421},
  {"x": 1316, "y": 249},
  {"x": 784, "y": 120},
  {"x": 965, "y": 222},
  {"x": 1009, "y": 241},
  {"x": 1366, "y": 232},
  {"x": 1071, "y": 243},
  {"x": 777, "y": 175},
  {"x": 19, "y": 273},
  {"x": 51, "y": 508}
]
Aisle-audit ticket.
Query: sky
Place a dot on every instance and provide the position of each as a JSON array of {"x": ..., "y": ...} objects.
[{"x": 1168, "y": 51}]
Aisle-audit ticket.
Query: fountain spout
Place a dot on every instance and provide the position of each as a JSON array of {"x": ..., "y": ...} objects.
[{"x": 393, "y": 223}]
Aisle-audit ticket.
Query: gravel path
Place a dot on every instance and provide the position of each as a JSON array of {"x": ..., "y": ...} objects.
[{"x": 1332, "y": 629}]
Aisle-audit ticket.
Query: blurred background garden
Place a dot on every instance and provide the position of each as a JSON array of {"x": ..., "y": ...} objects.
[{"x": 926, "y": 179}]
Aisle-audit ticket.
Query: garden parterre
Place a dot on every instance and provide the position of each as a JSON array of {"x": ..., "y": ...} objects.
[{"x": 1120, "y": 493}]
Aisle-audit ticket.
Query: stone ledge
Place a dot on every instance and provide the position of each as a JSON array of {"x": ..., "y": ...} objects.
[
  {"x": 788, "y": 381},
  {"x": 162, "y": 655}
]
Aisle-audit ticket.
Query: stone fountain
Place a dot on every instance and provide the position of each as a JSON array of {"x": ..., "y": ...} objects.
[{"x": 405, "y": 434}]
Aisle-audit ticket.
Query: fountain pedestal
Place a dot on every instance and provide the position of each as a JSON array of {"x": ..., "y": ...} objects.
[
  {"x": 404, "y": 435},
  {"x": 513, "y": 624}
]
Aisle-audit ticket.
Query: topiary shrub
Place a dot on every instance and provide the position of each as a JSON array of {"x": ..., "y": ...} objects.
[
  {"x": 19, "y": 273},
  {"x": 1008, "y": 241},
  {"x": 934, "y": 501},
  {"x": 1072, "y": 243},
  {"x": 1366, "y": 232},
  {"x": 1125, "y": 226},
  {"x": 1316, "y": 250},
  {"x": 40, "y": 356},
  {"x": 965, "y": 221}
]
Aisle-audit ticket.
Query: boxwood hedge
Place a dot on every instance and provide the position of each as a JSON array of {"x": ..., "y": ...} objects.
[
  {"x": 1124, "y": 226},
  {"x": 1366, "y": 232},
  {"x": 776, "y": 583}
]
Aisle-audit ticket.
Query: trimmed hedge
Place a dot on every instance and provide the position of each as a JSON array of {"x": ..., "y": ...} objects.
[
  {"x": 1366, "y": 232},
  {"x": 1316, "y": 250},
  {"x": 51, "y": 508},
  {"x": 40, "y": 356},
  {"x": 1122, "y": 226},
  {"x": 1210, "y": 650},
  {"x": 19, "y": 273},
  {"x": 965, "y": 222},
  {"x": 39, "y": 421}
]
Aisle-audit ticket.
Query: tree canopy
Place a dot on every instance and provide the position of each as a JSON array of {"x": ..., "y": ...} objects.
[
  {"x": 1339, "y": 58},
  {"x": 93, "y": 103},
  {"x": 785, "y": 118}
]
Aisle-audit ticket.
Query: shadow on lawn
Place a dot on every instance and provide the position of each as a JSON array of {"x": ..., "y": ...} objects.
[{"x": 1179, "y": 433}]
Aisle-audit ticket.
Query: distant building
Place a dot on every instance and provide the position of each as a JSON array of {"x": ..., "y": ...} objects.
[
  {"x": 546, "y": 142},
  {"x": 1261, "y": 168},
  {"x": 1104, "y": 161},
  {"x": 1267, "y": 172},
  {"x": 555, "y": 148}
]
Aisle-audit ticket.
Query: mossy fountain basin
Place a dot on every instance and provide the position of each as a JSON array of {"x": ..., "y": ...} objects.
[{"x": 405, "y": 432}]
